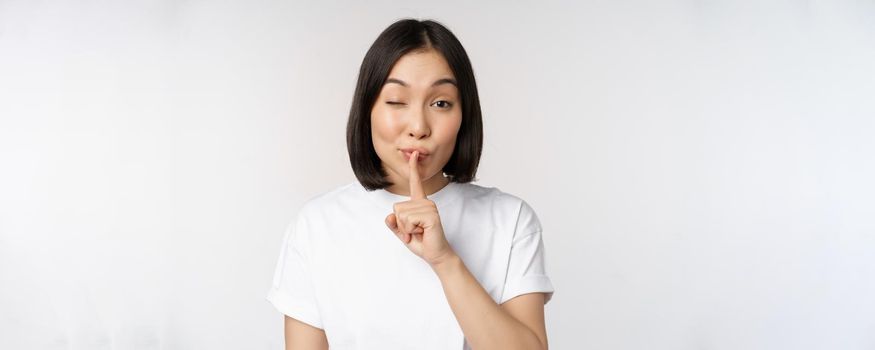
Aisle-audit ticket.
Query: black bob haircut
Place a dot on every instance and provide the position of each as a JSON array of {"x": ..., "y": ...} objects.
[{"x": 398, "y": 39}]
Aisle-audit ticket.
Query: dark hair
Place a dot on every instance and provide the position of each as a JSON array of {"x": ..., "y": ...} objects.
[{"x": 398, "y": 39}]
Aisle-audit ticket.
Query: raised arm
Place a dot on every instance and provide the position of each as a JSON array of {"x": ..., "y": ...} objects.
[{"x": 516, "y": 324}]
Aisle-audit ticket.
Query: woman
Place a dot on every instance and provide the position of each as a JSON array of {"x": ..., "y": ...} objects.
[{"x": 412, "y": 255}]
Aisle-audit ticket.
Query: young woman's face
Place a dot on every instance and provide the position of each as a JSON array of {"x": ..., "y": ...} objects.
[{"x": 418, "y": 108}]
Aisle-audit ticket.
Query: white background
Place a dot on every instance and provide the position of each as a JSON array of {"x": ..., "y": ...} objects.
[{"x": 703, "y": 170}]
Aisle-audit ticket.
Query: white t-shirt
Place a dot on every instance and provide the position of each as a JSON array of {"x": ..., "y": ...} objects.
[{"x": 342, "y": 270}]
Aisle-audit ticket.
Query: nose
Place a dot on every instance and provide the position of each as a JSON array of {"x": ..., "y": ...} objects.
[{"x": 417, "y": 124}]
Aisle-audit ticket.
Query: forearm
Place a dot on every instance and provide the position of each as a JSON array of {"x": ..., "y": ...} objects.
[{"x": 485, "y": 324}]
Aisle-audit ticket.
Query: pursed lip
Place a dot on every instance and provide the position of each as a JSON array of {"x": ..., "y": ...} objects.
[{"x": 409, "y": 151}]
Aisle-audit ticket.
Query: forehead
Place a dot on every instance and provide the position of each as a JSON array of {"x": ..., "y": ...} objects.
[{"x": 421, "y": 68}]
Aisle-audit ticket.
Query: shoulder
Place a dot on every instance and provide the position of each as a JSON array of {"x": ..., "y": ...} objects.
[
  {"x": 471, "y": 191},
  {"x": 330, "y": 201},
  {"x": 504, "y": 202},
  {"x": 317, "y": 212}
]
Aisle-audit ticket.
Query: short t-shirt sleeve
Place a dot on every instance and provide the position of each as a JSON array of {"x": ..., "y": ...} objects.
[
  {"x": 526, "y": 270},
  {"x": 292, "y": 291}
]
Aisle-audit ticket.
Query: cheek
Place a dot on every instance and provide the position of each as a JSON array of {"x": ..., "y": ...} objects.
[
  {"x": 384, "y": 128},
  {"x": 450, "y": 129}
]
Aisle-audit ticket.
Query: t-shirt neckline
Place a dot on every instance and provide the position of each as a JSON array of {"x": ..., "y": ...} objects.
[{"x": 442, "y": 197}]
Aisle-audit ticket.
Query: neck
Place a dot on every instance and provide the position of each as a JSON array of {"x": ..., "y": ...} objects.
[{"x": 430, "y": 186}]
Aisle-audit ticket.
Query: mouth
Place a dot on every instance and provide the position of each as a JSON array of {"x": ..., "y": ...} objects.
[{"x": 407, "y": 153}]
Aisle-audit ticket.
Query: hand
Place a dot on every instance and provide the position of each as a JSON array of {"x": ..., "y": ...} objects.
[{"x": 416, "y": 222}]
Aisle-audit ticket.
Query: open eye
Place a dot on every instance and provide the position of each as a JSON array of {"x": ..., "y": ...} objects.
[{"x": 443, "y": 104}]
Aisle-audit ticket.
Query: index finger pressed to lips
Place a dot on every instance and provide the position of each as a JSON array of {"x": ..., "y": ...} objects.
[{"x": 416, "y": 191}]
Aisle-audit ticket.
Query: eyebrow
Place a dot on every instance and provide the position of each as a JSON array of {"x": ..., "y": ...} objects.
[{"x": 436, "y": 83}]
